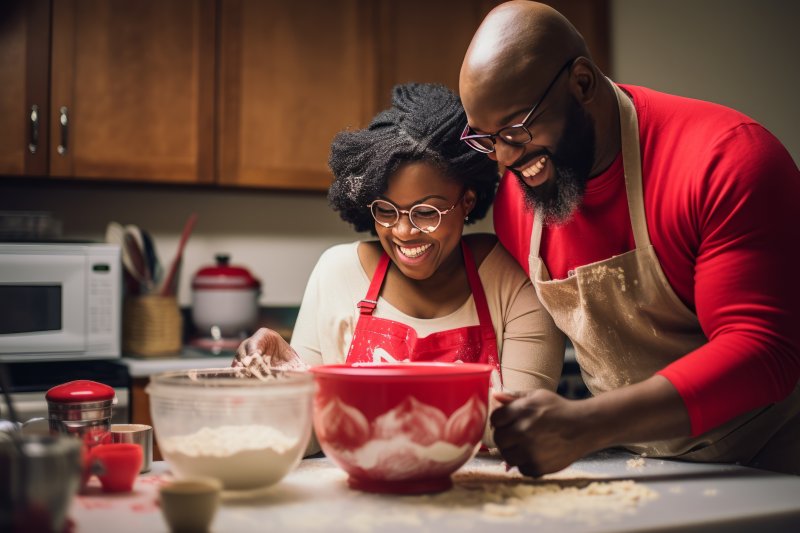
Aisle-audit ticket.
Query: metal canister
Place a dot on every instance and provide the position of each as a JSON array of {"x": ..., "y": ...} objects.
[{"x": 81, "y": 408}]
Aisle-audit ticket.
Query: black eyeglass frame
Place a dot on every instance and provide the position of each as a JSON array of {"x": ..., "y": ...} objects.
[{"x": 469, "y": 137}]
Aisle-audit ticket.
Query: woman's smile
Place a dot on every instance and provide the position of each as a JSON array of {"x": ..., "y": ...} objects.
[{"x": 413, "y": 255}]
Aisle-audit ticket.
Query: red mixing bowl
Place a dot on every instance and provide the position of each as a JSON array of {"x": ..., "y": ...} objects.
[{"x": 400, "y": 428}]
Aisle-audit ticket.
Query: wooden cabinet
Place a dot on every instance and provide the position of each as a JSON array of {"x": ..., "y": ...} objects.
[
  {"x": 132, "y": 90},
  {"x": 140, "y": 409},
  {"x": 121, "y": 90},
  {"x": 24, "y": 77},
  {"x": 243, "y": 93},
  {"x": 291, "y": 75},
  {"x": 425, "y": 41}
]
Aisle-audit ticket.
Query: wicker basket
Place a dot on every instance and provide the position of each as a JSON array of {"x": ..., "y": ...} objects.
[{"x": 152, "y": 325}]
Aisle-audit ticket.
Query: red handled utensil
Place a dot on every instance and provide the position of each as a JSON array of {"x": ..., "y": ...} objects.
[{"x": 166, "y": 288}]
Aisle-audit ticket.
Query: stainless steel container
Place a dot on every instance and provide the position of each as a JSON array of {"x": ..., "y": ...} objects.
[
  {"x": 140, "y": 434},
  {"x": 40, "y": 477},
  {"x": 81, "y": 409}
]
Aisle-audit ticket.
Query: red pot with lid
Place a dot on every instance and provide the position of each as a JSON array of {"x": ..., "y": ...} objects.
[
  {"x": 225, "y": 299},
  {"x": 81, "y": 408}
]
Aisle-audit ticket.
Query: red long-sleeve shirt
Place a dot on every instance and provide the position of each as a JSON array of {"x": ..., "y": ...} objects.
[{"x": 722, "y": 203}]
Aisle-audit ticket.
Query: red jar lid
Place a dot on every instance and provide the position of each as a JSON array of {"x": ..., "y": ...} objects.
[
  {"x": 224, "y": 276},
  {"x": 81, "y": 390}
]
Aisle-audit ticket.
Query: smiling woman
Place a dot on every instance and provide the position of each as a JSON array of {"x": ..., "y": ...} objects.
[{"x": 422, "y": 291}]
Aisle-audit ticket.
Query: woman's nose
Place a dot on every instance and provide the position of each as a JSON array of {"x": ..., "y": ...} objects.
[{"x": 404, "y": 227}]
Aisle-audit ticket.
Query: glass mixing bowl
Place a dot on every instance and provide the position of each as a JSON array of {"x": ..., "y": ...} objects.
[{"x": 244, "y": 431}]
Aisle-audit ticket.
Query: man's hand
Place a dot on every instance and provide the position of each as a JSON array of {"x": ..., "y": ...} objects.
[
  {"x": 540, "y": 433},
  {"x": 266, "y": 349}
]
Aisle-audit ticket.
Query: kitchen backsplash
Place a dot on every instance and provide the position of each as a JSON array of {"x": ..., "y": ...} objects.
[{"x": 277, "y": 236}]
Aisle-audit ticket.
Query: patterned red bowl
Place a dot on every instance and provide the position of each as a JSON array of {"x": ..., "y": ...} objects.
[{"x": 400, "y": 428}]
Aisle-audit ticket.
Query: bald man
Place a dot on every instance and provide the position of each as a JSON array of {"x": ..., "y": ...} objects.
[{"x": 661, "y": 235}]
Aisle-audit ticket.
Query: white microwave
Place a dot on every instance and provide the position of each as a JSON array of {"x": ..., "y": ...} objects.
[{"x": 60, "y": 301}]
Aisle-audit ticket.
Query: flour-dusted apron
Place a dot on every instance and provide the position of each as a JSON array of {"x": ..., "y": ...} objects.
[
  {"x": 627, "y": 323},
  {"x": 380, "y": 340}
]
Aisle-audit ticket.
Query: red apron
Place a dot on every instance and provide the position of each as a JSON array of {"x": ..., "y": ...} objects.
[{"x": 394, "y": 341}]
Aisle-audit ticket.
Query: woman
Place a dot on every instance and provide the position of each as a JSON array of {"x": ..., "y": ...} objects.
[{"x": 421, "y": 291}]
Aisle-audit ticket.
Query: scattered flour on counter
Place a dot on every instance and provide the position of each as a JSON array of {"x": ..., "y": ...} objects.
[
  {"x": 242, "y": 457},
  {"x": 483, "y": 495},
  {"x": 635, "y": 464},
  {"x": 569, "y": 495},
  {"x": 710, "y": 492}
]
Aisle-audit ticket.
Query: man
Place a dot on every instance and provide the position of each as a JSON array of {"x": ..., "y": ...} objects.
[{"x": 661, "y": 235}]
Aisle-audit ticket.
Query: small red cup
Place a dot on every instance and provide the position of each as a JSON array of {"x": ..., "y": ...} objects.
[{"x": 117, "y": 465}]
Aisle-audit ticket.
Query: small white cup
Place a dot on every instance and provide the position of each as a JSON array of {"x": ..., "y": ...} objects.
[{"x": 189, "y": 505}]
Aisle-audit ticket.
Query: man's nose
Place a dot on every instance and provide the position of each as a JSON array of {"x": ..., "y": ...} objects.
[{"x": 505, "y": 154}]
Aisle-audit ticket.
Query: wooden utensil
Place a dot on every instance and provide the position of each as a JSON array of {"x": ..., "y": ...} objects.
[
  {"x": 115, "y": 234},
  {"x": 139, "y": 265}
]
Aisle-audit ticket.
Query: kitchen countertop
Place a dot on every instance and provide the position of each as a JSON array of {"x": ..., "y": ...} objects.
[
  {"x": 315, "y": 497},
  {"x": 189, "y": 358}
]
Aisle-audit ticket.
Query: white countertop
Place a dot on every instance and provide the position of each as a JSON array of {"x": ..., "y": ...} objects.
[
  {"x": 139, "y": 367},
  {"x": 189, "y": 358},
  {"x": 315, "y": 497}
]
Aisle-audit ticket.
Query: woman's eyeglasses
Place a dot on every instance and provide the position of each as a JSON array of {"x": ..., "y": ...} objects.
[
  {"x": 424, "y": 217},
  {"x": 516, "y": 135}
]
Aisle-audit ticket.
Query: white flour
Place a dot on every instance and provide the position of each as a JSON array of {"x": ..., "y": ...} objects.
[{"x": 242, "y": 457}]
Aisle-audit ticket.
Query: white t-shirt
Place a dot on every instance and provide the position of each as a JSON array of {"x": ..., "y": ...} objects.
[{"x": 530, "y": 347}]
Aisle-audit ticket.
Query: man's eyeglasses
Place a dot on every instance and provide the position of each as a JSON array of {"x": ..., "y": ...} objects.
[
  {"x": 516, "y": 135},
  {"x": 424, "y": 217}
]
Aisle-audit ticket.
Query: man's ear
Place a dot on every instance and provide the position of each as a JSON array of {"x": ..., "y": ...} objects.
[{"x": 584, "y": 80}]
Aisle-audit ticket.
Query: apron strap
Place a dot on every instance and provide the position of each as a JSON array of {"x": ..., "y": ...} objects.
[
  {"x": 367, "y": 305},
  {"x": 632, "y": 166},
  {"x": 475, "y": 285}
]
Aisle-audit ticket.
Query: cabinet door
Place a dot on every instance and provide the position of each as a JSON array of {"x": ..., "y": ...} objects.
[
  {"x": 24, "y": 70},
  {"x": 292, "y": 74},
  {"x": 132, "y": 90},
  {"x": 424, "y": 41}
]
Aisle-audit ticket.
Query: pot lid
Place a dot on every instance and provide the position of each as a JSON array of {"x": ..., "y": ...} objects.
[
  {"x": 79, "y": 391},
  {"x": 224, "y": 276}
]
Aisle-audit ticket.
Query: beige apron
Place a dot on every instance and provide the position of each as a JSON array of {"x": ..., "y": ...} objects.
[{"x": 627, "y": 323}]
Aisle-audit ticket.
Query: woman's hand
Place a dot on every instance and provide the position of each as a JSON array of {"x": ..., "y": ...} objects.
[{"x": 266, "y": 349}]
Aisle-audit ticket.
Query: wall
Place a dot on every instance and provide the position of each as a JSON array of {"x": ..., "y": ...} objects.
[
  {"x": 739, "y": 53},
  {"x": 278, "y": 236},
  {"x": 735, "y": 52}
]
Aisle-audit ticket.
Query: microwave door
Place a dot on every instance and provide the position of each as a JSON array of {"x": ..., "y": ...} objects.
[{"x": 42, "y": 303}]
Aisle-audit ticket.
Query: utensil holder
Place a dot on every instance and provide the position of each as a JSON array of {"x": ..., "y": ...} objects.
[{"x": 152, "y": 325}]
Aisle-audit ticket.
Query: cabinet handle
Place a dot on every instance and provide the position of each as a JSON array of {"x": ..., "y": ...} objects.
[
  {"x": 64, "y": 120},
  {"x": 33, "y": 143}
]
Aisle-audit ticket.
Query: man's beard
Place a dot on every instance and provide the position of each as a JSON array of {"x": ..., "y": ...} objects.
[{"x": 559, "y": 197}]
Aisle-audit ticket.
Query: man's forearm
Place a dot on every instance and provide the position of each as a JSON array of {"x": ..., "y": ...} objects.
[{"x": 647, "y": 411}]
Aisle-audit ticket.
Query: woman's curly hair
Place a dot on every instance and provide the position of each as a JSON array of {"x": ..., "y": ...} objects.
[{"x": 423, "y": 124}]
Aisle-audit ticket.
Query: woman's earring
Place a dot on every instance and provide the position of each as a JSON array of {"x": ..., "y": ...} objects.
[{"x": 466, "y": 218}]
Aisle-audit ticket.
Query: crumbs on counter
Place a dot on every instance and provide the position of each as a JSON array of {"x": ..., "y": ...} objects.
[
  {"x": 637, "y": 463},
  {"x": 570, "y": 495}
]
